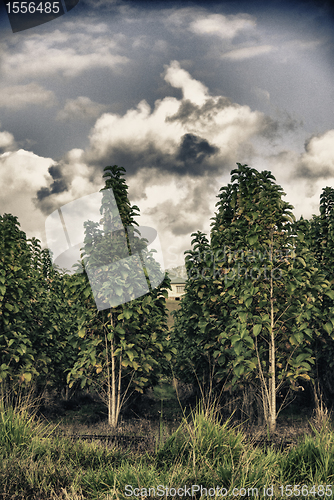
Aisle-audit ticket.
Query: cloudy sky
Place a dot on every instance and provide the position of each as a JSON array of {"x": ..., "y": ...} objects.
[{"x": 176, "y": 93}]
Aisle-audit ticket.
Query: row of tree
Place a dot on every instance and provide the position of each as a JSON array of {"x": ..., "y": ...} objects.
[
  {"x": 51, "y": 331},
  {"x": 258, "y": 313},
  {"x": 257, "y": 316}
]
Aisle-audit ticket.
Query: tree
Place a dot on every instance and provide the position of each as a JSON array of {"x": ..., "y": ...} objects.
[
  {"x": 319, "y": 235},
  {"x": 195, "y": 349},
  {"x": 261, "y": 303},
  {"x": 34, "y": 315},
  {"x": 124, "y": 344}
]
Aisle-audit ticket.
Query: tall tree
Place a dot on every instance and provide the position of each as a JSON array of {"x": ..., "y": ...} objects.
[
  {"x": 319, "y": 235},
  {"x": 34, "y": 316},
  {"x": 125, "y": 343},
  {"x": 264, "y": 298},
  {"x": 18, "y": 362}
]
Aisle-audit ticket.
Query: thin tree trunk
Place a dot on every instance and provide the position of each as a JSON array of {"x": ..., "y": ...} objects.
[
  {"x": 119, "y": 387},
  {"x": 272, "y": 382},
  {"x": 113, "y": 386},
  {"x": 108, "y": 380}
]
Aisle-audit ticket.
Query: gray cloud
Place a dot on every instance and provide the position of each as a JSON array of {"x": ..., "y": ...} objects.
[
  {"x": 68, "y": 53},
  {"x": 81, "y": 108},
  {"x": 190, "y": 112},
  {"x": 20, "y": 96},
  {"x": 318, "y": 159},
  {"x": 58, "y": 185},
  {"x": 190, "y": 158},
  {"x": 194, "y": 150},
  {"x": 190, "y": 208}
]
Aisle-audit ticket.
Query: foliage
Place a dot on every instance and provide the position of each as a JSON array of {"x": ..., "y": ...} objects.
[
  {"x": 124, "y": 344},
  {"x": 35, "y": 320},
  {"x": 319, "y": 235},
  {"x": 257, "y": 291}
]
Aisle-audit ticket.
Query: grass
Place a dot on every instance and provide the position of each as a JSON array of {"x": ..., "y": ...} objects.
[{"x": 203, "y": 452}]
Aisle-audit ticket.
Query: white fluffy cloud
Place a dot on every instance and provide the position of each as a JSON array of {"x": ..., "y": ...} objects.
[
  {"x": 19, "y": 96},
  {"x": 7, "y": 141},
  {"x": 31, "y": 191},
  {"x": 177, "y": 155},
  {"x": 67, "y": 53},
  {"x": 304, "y": 175},
  {"x": 177, "y": 132},
  {"x": 175, "y": 207},
  {"x": 318, "y": 159},
  {"x": 226, "y": 27},
  {"x": 23, "y": 173},
  {"x": 192, "y": 89}
]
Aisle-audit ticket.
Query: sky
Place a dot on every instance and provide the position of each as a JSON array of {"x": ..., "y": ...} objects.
[{"x": 176, "y": 93}]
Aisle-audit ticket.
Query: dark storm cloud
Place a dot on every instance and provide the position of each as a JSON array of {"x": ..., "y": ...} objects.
[
  {"x": 194, "y": 150},
  {"x": 191, "y": 157},
  {"x": 58, "y": 185},
  {"x": 189, "y": 111}
]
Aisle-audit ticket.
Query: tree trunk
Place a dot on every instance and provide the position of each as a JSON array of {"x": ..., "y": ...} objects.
[
  {"x": 108, "y": 380},
  {"x": 272, "y": 371}
]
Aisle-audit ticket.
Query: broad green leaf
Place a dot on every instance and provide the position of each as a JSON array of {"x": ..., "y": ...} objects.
[
  {"x": 330, "y": 294},
  {"x": 328, "y": 327},
  {"x": 243, "y": 317},
  {"x": 252, "y": 239},
  {"x": 257, "y": 329},
  {"x": 130, "y": 354}
]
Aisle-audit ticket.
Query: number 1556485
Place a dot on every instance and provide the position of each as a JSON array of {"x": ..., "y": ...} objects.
[{"x": 32, "y": 7}]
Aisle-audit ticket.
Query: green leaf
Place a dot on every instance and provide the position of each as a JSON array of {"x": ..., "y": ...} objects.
[
  {"x": 330, "y": 294},
  {"x": 257, "y": 329},
  {"x": 27, "y": 376},
  {"x": 248, "y": 302},
  {"x": 328, "y": 327},
  {"x": 127, "y": 314},
  {"x": 243, "y": 317},
  {"x": 252, "y": 239},
  {"x": 82, "y": 332},
  {"x": 130, "y": 354}
]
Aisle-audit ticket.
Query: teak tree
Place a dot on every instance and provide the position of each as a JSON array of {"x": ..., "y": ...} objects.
[
  {"x": 319, "y": 236},
  {"x": 125, "y": 343},
  {"x": 260, "y": 291}
]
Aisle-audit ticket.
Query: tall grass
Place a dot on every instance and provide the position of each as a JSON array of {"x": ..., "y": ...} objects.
[
  {"x": 18, "y": 426},
  {"x": 203, "y": 451}
]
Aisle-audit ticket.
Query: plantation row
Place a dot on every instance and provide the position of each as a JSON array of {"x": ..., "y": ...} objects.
[{"x": 256, "y": 319}]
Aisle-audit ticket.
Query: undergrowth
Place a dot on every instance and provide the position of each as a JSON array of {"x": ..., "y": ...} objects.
[{"x": 203, "y": 454}]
